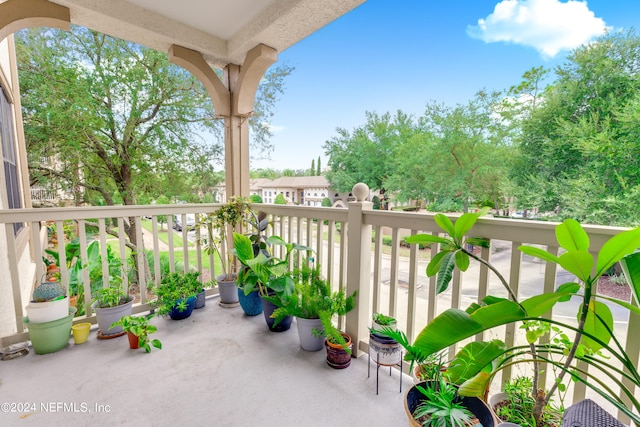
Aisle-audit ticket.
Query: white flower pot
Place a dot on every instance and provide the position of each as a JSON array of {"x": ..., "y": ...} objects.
[{"x": 48, "y": 311}]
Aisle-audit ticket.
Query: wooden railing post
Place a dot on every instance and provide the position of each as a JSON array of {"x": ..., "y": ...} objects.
[{"x": 359, "y": 266}]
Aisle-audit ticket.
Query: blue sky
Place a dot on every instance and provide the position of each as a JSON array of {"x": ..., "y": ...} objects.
[{"x": 389, "y": 55}]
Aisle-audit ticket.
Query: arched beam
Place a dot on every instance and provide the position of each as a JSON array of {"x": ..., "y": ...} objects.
[
  {"x": 258, "y": 60},
  {"x": 18, "y": 14},
  {"x": 193, "y": 61}
]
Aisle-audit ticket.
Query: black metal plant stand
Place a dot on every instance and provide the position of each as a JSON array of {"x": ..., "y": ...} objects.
[{"x": 378, "y": 365}]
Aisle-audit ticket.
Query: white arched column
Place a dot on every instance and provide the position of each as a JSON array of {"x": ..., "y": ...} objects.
[{"x": 233, "y": 99}]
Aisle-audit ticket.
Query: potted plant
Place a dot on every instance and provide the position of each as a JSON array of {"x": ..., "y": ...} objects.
[
  {"x": 383, "y": 350},
  {"x": 310, "y": 303},
  {"x": 436, "y": 403},
  {"x": 138, "y": 330},
  {"x": 224, "y": 221},
  {"x": 270, "y": 275},
  {"x": 110, "y": 304},
  {"x": 477, "y": 362},
  {"x": 176, "y": 295},
  {"x": 515, "y": 404},
  {"x": 381, "y": 321},
  {"x": 49, "y": 302}
]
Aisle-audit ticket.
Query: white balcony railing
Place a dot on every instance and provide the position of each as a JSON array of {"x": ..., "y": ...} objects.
[{"x": 358, "y": 249}]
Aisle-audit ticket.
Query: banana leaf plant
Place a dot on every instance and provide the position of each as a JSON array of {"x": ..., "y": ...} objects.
[{"x": 594, "y": 341}]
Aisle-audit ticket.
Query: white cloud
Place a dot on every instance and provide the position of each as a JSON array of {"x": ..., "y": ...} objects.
[{"x": 547, "y": 25}]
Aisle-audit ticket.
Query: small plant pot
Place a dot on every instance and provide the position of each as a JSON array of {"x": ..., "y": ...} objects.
[
  {"x": 109, "y": 315},
  {"x": 228, "y": 291},
  {"x": 384, "y": 350},
  {"x": 267, "y": 309},
  {"x": 176, "y": 314},
  {"x": 48, "y": 311},
  {"x": 134, "y": 342},
  {"x": 337, "y": 357},
  {"x": 309, "y": 341},
  {"x": 200, "y": 299},
  {"x": 251, "y": 303},
  {"x": 378, "y": 327},
  {"x": 81, "y": 332}
]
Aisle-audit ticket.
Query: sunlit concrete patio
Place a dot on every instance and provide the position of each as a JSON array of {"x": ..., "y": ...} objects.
[{"x": 218, "y": 368}]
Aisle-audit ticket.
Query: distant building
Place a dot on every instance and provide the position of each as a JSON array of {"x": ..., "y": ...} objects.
[{"x": 297, "y": 190}]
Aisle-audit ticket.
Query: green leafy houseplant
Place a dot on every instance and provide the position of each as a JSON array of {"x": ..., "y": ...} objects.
[
  {"x": 112, "y": 296},
  {"x": 518, "y": 407},
  {"x": 593, "y": 338},
  {"x": 313, "y": 299},
  {"x": 441, "y": 407},
  {"x": 141, "y": 328},
  {"x": 270, "y": 275},
  {"x": 383, "y": 319},
  {"x": 224, "y": 221},
  {"x": 175, "y": 290}
]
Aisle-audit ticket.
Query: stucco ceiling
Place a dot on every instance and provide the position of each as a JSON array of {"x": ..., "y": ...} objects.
[{"x": 222, "y": 30}]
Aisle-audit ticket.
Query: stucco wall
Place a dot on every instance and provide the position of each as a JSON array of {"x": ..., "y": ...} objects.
[{"x": 25, "y": 267}]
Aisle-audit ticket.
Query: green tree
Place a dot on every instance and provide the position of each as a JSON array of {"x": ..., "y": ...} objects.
[
  {"x": 366, "y": 154},
  {"x": 579, "y": 150},
  {"x": 326, "y": 202},
  {"x": 319, "y": 171},
  {"x": 312, "y": 171},
  {"x": 119, "y": 118},
  {"x": 457, "y": 157},
  {"x": 280, "y": 200},
  {"x": 254, "y": 198}
]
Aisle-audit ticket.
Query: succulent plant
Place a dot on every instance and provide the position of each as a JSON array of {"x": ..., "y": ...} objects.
[{"x": 47, "y": 291}]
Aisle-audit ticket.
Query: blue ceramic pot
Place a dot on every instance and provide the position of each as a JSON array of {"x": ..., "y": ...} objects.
[
  {"x": 176, "y": 314},
  {"x": 251, "y": 303},
  {"x": 268, "y": 308}
]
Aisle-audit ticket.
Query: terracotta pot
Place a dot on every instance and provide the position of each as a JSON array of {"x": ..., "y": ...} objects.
[{"x": 133, "y": 341}]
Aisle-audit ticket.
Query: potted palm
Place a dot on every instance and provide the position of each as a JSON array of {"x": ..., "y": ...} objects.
[
  {"x": 217, "y": 238},
  {"x": 312, "y": 302},
  {"x": 138, "y": 330},
  {"x": 176, "y": 295},
  {"x": 478, "y": 362},
  {"x": 270, "y": 275}
]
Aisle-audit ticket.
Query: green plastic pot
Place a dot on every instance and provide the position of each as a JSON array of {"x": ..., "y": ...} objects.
[{"x": 49, "y": 337}]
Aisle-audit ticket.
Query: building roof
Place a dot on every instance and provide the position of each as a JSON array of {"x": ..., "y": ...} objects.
[{"x": 298, "y": 182}]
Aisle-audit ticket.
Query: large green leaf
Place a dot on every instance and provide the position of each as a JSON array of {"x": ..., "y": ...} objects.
[
  {"x": 243, "y": 247},
  {"x": 476, "y": 386},
  {"x": 462, "y": 260},
  {"x": 427, "y": 239},
  {"x": 538, "y": 305},
  {"x": 538, "y": 253},
  {"x": 577, "y": 262},
  {"x": 434, "y": 265},
  {"x": 445, "y": 272},
  {"x": 572, "y": 236},
  {"x": 473, "y": 358},
  {"x": 464, "y": 224},
  {"x": 454, "y": 324},
  {"x": 616, "y": 248},
  {"x": 599, "y": 323},
  {"x": 445, "y": 223},
  {"x": 631, "y": 268}
]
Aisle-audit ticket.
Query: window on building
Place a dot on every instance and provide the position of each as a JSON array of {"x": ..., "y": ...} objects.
[{"x": 9, "y": 157}]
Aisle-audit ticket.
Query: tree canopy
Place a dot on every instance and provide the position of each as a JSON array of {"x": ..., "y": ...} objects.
[
  {"x": 120, "y": 120},
  {"x": 570, "y": 147}
]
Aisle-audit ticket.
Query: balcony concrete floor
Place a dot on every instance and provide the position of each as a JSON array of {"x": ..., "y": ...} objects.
[{"x": 217, "y": 368}]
